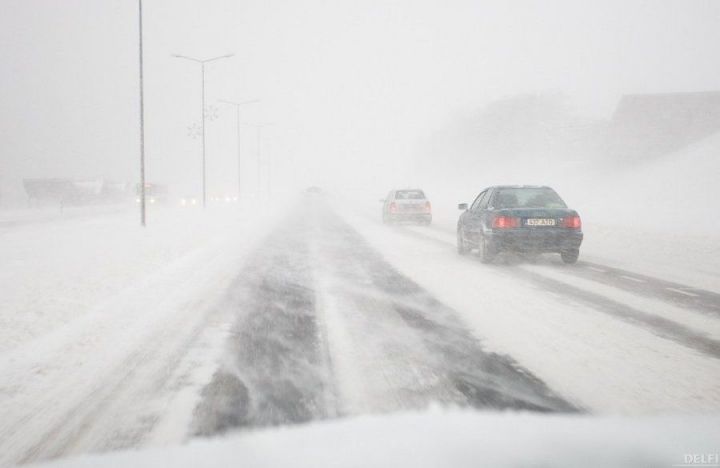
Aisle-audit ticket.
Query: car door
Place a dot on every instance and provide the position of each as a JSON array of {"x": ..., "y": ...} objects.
[
  {"x": 472, "y": 219},
  {"x": 388, "y": 199},
  {"x": 485, "y": 210},
  {"x": 465, "y": 214}
]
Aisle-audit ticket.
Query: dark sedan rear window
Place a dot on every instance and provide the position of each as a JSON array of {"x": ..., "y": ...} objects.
[
  {"x": 409, "y": 195},
  {"x": 528, "y": 198}
]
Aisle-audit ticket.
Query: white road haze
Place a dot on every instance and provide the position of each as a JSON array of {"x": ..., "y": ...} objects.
[
  {"x": 270, "y": 313},
  {"x": 127, "y": 367}
]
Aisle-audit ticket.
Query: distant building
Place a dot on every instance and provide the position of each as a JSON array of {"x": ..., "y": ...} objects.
[
  {"x": 75, "y": 192},
  {"x": 650, "y": 125}
]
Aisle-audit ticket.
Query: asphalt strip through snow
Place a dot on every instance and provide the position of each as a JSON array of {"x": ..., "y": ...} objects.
[{"x": 277, "y": 369}]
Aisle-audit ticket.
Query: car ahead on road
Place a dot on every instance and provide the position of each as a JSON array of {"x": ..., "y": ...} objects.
[
  {"x": 408, "y": 205},
  {"x": 523, "y": 219}
]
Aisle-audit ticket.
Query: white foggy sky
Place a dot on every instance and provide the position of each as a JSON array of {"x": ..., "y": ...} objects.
[{"x": 351, "y": 85}]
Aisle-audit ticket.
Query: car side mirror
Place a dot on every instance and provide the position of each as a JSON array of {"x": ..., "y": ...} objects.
[{"x": 462, "y": 206}]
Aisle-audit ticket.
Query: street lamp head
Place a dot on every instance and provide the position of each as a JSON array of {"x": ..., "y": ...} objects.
[
  {"x": 185, "y": 57},
  {"x": 202, "y": 60},
  {"x": 219, "y": 57},
  {"x": 241, "y": 103}
]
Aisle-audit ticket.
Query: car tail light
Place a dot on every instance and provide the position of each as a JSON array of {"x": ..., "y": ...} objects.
[
  {"x": 428, "y": 207},
  {"x": 572, "y": 222},
  {"x": 393, "y": 207},
  {"x": 505, "y": 222}
]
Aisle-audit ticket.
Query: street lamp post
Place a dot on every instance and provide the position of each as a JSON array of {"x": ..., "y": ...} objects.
[
  {"x": 202, "y": 63},
  {"x": 237, "y": 106},
  {"x": 142, "y": 118}
]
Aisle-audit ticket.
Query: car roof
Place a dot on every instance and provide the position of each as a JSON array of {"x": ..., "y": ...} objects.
[{"x": 518, "y": 186}]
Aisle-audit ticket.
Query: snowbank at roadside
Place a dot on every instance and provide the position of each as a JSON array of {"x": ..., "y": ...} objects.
[
  {"x": 56, "y": 270},
  {"x": 443, "y": 439},
  {"x": 659, "y": 218},
  {"x": 676, "y": 193},
  {"x": 108, "y": 331}
]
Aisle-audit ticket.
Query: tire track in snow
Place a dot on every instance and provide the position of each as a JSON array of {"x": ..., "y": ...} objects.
[
  {"x": 699, "y": 300},
  {"x": 659, "y": 326},
  {"x": 692, "y": 298},
  {"x": 424, "y": 353}
]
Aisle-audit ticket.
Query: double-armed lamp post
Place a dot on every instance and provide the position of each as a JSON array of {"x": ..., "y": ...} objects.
[{"x": 202, "y": 63}]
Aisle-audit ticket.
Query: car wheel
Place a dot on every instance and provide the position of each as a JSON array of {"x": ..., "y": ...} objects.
[
  {"x": 570, "y": 256},
  {"x": 461, "y": 246},
  {"x": 487, "y": 253}
]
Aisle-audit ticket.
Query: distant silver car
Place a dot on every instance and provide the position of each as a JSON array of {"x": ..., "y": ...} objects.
[{"x": 406, "y": 205}]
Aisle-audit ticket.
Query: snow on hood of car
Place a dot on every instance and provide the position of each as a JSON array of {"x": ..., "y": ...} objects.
[{"x": 441, "y": 438}]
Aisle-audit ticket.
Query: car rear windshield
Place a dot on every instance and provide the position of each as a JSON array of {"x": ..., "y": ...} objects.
[
  {"x": 528, "y": 198},
  {"x": 409, "y": 195}
]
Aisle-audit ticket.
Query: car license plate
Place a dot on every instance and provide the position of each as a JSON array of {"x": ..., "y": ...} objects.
[{"x": 540, "y": 222}]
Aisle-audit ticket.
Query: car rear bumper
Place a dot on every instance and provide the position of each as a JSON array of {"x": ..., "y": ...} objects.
[
  {"x": 534, "y": 240},
  {"x": 410, "y": 217}
]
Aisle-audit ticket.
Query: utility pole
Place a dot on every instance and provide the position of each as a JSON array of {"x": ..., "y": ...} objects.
[
  {"x": 142, "y": 120},
  {"x": 202, "y": 69},
  {"x": 237, "y": 106}
]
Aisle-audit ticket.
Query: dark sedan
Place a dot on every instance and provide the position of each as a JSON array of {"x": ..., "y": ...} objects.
[{"x": 524, "y": 219}]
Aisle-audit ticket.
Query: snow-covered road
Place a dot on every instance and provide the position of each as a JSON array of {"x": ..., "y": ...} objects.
[
  {"x": 631, "y": 350},
  {"x": 326, "y": 327},
  {"x": 108, "y": 332},
  {"x": 321, "y": 313}
]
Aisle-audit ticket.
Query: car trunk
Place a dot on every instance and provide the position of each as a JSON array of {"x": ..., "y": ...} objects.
[
  {"x": 538, "y": 218},
  {"x": 411, "y": 206}
]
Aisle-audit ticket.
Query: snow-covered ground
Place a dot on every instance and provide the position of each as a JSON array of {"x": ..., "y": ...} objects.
[
  {"x": 114, "y": 337},
  {"x": 10, "y": 217},
  {"x": 62, "y": 268},
  {"x": 110, "y": 331},
  {"x": 657, "y": 217}
]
